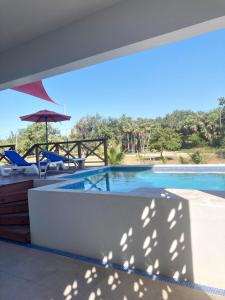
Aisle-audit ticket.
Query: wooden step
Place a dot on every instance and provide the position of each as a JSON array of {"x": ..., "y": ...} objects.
[
  {"x": 12, "y": 208},
  {"x": 15, "y": 233},
  {"x": 14, "y": 219},
  {"x": 13, "y": 197},
  {"x": 14, "y": 214},
  {"x": 16, "y": 187}
]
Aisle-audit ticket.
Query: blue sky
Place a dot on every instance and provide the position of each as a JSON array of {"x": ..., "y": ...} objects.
[{"x": 188, "y": 74}]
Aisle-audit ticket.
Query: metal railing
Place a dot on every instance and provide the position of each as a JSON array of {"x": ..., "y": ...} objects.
[
  {"x": 3, "y": 148},
  {"x": 88, "y": 149}
]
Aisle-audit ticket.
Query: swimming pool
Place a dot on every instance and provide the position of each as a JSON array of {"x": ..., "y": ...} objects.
[{"x": 126, "y": 179}]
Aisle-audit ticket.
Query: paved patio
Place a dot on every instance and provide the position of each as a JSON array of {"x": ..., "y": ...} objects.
[
  {"x": 27, "y": 273},
  {"x": 16, "y": 178}
]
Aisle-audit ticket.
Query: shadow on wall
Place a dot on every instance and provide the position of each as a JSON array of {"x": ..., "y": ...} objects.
[{"x": 157, "y": 239}]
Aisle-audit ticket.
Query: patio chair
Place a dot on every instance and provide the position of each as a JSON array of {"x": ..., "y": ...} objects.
[
  {"x": 54, "y": 157},
  {"x": 19, "y": 164}
]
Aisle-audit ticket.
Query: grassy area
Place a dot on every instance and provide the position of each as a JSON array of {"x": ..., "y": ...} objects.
[
  {"x": 209, "y": 155},
  {"x": 201, "y": 149}
]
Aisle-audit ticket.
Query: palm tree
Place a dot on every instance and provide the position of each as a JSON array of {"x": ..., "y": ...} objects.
[
  {"x": 221, "y": 101},
  {"x": 115, "y": 155}
]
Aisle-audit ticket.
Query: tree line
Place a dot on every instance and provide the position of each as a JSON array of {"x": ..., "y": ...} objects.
[{"x": 180, "y": 129}]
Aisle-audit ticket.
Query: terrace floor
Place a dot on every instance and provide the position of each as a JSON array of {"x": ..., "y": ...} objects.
[
  {"x": 5, "y": 180},
  {"x": 27, "y": 273}
]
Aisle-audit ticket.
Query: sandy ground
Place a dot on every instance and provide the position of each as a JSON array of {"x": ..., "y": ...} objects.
[{"x": 172, "y": 158}]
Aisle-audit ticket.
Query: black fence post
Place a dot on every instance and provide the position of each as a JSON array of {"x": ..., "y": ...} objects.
[
  {"x": 3, "y": 148},
  {"x": 56, "y": 148},
  {"x": 79, "y": 152},
  {"x": 37, "y": 153},
  {"x": 106, "y": 151}
]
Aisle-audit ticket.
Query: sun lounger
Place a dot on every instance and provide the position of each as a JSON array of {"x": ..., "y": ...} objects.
[
  {"x": 54, "y": 157},
  {"x": 19, "y": 164}
]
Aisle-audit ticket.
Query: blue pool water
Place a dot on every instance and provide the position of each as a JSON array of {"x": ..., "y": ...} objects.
[{"x": 128, "y": 179}]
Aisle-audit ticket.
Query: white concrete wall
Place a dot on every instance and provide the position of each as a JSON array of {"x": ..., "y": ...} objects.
[{"x": 175, "y": 233}]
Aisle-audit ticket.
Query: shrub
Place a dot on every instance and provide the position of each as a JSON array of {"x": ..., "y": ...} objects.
[
  {"x": 183, "y": 160},
  {"x": 197, "y": 157},
  {"x": 222, "y": 142},
  {"x": 115, "y": 155},
  {"x": 221, "y": 153},
  {"x": 164, "y": 159}
]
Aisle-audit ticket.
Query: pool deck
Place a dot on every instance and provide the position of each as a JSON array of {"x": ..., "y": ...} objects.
[
  {"x": 212, "y": 197},
  {"x": 6, "y": 180},
  {"x": 27, "y": 273}
]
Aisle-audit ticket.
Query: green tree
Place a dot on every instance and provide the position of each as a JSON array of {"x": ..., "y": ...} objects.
[
  {"x": 166, "y": 139},
  {"x": 10, "y": 140},
  {"x": 211, "y": 129},
  {"x": 87, "y": 127},
  {"x": 221, "y": 102},
  {"x": 135, "y": 135},
  {"x": 35, "y": 133}
]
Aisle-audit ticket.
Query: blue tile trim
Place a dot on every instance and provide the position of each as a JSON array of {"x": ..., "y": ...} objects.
[
  {"x": 108, "y": 169},
  {"x": 179, "y": 168},
  {"x": 163, "y": 278},
  {"x": 130, "y": 168},
  {"x": 87, "y": 173}
]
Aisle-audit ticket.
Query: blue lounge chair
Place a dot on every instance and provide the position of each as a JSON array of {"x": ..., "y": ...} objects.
[
  {"x": 20, "y": 164},
  {"x": 54, "y": 157}
]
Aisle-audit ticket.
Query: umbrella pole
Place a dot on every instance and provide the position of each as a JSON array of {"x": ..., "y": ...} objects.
[{"x": 46, "y": 134}]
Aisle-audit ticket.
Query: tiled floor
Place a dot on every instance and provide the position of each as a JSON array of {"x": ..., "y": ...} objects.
[
  {"x": 35, "y": 275},
  {"x": 5, "y": 180},
  {"x": 16, "y": 179}
]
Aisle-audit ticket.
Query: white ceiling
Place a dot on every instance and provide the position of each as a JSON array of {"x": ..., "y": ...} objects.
[
  {"x": 24, "y": 20},
  {"x": 42, "y": 38}
]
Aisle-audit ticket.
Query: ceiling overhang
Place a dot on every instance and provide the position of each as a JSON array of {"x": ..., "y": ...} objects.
[{"x": 121, "y": 28}]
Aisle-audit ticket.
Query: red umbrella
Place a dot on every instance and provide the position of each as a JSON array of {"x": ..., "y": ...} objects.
[{"x": 45, "y": 116}]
